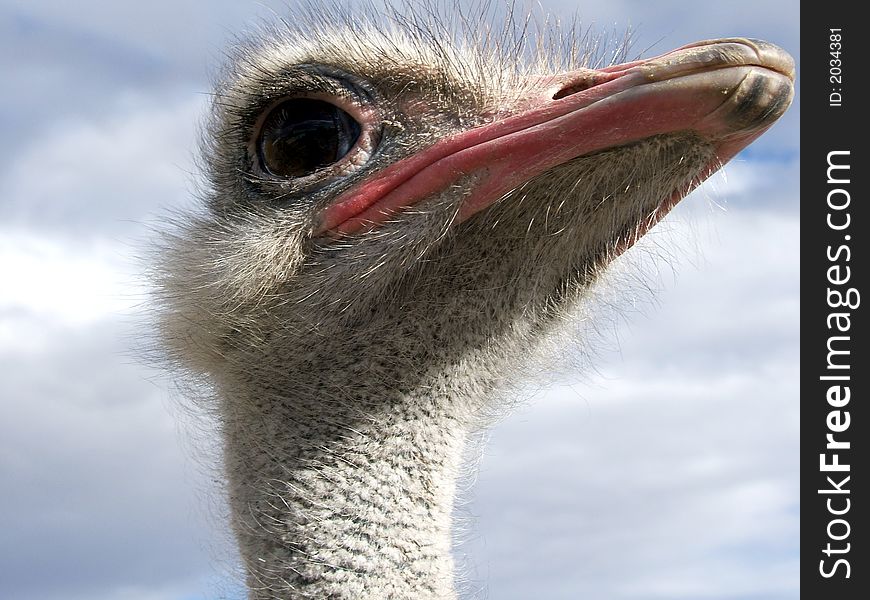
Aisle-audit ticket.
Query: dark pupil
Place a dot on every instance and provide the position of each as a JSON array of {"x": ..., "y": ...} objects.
[{"x": 303, "y": 135}]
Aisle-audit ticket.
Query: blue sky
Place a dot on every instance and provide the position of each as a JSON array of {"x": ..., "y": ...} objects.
[{"x": 669, "y": 469}]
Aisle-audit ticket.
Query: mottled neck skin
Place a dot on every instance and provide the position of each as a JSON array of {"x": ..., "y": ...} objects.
[
  {"x": 348, "y": 511},
  {"x": 343, "y": 488}
]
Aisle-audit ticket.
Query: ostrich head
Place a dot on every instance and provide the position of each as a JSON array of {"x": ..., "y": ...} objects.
[{"x": 392, "y": 222}]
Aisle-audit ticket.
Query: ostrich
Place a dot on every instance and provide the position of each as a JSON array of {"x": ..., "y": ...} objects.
[{"x": 392, "y": 223}]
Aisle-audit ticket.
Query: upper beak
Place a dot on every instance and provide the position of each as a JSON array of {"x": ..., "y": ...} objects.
[{"x": 728, "y": 92}]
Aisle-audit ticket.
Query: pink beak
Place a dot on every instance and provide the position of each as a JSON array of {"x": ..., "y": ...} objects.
[{"x": 728, "y": 92}]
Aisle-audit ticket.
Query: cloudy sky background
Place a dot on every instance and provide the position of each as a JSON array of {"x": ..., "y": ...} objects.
[{"x": 670, "y": 471}]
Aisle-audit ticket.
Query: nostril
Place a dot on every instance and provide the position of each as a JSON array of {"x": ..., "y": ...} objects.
[{"x": 573, "y": 87}]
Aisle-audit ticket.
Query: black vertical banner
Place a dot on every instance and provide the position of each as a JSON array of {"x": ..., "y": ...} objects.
[{"x": 835, "y": 365}]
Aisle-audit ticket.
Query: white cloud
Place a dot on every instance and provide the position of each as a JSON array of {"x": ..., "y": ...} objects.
[
  {"x": 72, "y": 285},
  {"x": 78, "y": 204},
  {"x": 645, "y": 488},
  {"x": 101, "y": 494},
  {"x": 103, "y": 175}
]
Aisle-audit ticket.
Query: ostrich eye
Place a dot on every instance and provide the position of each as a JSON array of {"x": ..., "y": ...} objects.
[{"x": 302, "y": 135}]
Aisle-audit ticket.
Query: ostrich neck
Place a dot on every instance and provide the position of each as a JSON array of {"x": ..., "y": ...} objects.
[{"x": 341, "y": 478}]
